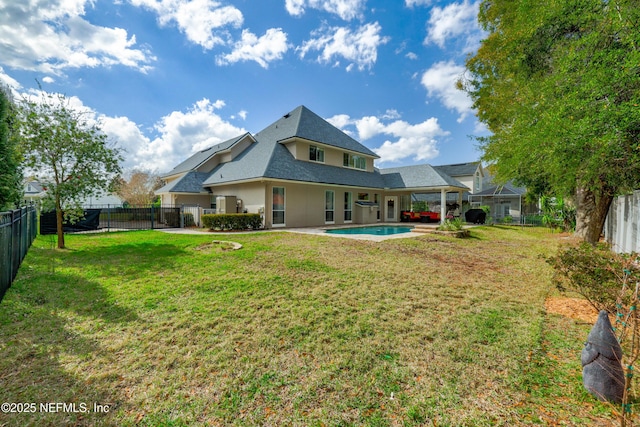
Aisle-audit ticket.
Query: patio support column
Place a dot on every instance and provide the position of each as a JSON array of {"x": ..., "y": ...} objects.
[
  {"x": 460, "y": 203},
  {"x": 443, "y": 204}
]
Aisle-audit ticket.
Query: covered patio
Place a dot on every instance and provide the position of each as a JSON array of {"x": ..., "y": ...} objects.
[{"x": 421, "y": 179}]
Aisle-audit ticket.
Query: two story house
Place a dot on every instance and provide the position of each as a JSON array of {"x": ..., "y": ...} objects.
[{"x": 301, "y": 171}]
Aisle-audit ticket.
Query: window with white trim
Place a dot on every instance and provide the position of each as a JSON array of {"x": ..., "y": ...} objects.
[
  {"x": 278, "y": 206},
  {"x": 329, "y": 206},
  {"x": 316, "y": 154},
  {"x": 348, "y": 206},
  {"x": 354, "y": 161}
]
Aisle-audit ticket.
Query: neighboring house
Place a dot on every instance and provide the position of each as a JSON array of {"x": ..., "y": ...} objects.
[
  {"x": 505, "y": 201},
  {"x": 471, "y": 175},
  {"x": 33, "y": 192},
  {"x": 103, "y": 201},
  {"x": 301, "y": 171}
]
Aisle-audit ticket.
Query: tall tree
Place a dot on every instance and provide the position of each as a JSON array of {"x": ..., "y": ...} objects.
[
  {"x": 68, "y": 152},
  {"x": 139, "y": 189},
  {"x": 11, "y": 189},
  {"x": 558, "y": 85}
]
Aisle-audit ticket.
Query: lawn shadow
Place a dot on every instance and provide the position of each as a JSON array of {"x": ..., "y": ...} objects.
[{"x": 48, "y": 354}]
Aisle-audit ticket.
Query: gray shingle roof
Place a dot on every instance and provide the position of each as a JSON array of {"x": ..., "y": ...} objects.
[
  {"x": 309, "y": 125},
  {"x": 418, "y": 176},
  {"x": 459, "y": 169},
  {"x": 191, "y": 182},
  {"x": 503, "y": 190},
  {"x": 200, "y": 157},
  {"x": 269, "y": 158}
]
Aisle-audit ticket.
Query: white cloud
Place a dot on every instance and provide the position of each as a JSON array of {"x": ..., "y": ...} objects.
[
  {"x": 202, "y": 21},
  {"x": 416, "y": 141},
  {"x": 270, "y": 47},
  {"x": 412, "y": 3},
  {"x": 182, "y": 134},
  {"x": 48, "y": 80},
  {"x": 242, "y": 114},
  {"x": 359, "y": 47},
  {"x": 7, "y": 80},
  {"x": 50, "y": 36},
  {"x": 179, "y": 134},
  {"x": 340, "y": 121},
  {"x": 453, "y": 21},
  {"x": 345, "y": 9},
  {"x": 440, "y": 82}
]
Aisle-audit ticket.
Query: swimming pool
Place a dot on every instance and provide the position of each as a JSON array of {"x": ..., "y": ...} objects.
[{"x": 378, "y": 230}]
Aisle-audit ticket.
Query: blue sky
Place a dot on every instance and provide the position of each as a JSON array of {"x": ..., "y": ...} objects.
[{"x": 169, "y": 77}]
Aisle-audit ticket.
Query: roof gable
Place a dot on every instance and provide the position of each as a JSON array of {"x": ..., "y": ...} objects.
[
  {"x": 191, "y": 182},
  {"x": 201, "y": 157},
  {"x": 304, "y": 123}
]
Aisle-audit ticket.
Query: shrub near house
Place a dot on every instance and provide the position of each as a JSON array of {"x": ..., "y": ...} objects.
[{"x": 232, "y": 221}]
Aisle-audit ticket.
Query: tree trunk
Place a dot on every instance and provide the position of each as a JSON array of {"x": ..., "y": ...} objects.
[
  {"x": 591, "y": 213},
  {"x": 59, "y": 224}
]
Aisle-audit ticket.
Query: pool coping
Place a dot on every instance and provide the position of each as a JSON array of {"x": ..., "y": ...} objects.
[
  {"x": 322, "y": 231},
  {"x": 318, "y": 231}
]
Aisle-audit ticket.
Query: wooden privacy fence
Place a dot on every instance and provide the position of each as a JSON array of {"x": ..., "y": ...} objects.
[
  {"x": 18, "y": 229},
  {"x": 623, "y": 220}
]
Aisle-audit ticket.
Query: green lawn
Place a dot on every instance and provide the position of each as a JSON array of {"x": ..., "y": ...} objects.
[{"x": 294, "y": 330}]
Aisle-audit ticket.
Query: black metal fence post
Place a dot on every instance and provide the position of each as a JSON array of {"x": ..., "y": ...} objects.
[{"x": 17, "y": 232}]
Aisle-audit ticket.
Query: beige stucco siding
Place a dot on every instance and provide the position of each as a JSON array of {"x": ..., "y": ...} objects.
[
  {"x": 299, "y": 149},
  {"x": 203, "y": 200},
  {"x": 467, "y": 181},
  {"x": 252, "y": 194},
  {"x": 305, "y": 204}
]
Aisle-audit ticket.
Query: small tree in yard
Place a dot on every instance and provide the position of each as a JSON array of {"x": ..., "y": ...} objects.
[
  {"x": 68, "y": 152},
  {"x": 611, "y": 282}
]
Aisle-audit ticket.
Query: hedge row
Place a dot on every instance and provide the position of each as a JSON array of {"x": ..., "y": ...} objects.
[{"x": 232, "y": 221}]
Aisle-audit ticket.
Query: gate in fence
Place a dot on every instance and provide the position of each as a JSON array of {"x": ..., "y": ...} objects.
[{"x": 17, "y": 231}]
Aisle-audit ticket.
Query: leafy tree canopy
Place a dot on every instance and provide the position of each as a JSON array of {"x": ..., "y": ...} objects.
[
  {"x": 558, "y": 85},
  {"x": 68, "y": 152},
  {"x": 11, "y": 189}
]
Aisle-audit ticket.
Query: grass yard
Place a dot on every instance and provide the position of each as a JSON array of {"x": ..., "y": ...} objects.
[{"x": 292, "y": 330}]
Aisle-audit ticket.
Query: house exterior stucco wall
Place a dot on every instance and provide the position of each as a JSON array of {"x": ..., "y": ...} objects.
[
  {"x": 305, "y": 204},
  {"x": 203, "y": 200},
  {"x": 252, "y": 195}
]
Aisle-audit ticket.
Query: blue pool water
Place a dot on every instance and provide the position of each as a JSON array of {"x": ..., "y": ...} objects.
[{"x": 379, "y": 230}]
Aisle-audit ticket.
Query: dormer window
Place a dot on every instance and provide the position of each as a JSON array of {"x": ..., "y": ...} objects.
[
  {"x": 477, "y": 181},
  {"x": 354, "y": 161},
  {"x": 316, "y": 154}
]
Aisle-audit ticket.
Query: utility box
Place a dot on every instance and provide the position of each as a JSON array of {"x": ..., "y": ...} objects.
[
  {"x": 226, "y": 205},
  {"x": 366, "y": 212}
]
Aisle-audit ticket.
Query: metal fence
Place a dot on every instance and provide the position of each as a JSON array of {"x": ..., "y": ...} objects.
[
  {"x": 18, "y": 229},
  {"x": 139, "y": 218}
]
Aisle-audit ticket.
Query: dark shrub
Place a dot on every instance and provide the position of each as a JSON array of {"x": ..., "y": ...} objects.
[{"x": 232, "y": 221}]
